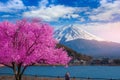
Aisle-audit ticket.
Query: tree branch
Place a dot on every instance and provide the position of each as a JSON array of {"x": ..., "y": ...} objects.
[
  {"x": 19, "y": 68},
  {"x": 23, "y": 70},
  {"x": 14, "y": 67},
  {"x": 32, "y": 46},
  {"x": 6, "y": 65}
]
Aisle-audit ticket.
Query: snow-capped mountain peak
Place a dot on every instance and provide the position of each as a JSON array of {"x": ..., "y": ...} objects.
[
  {"x": 72, "y": 32},
  {"x": 83, "y": 42}
]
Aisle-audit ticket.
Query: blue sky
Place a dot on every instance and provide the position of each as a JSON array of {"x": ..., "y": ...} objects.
[
  {"x": 99, "y": 17},
  {"x": 62, "y": 11}
]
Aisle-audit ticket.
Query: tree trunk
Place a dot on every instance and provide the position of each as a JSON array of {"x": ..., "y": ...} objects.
[
  {"x": 18, "y": 77},
  {"x": 18, "y": 71}
]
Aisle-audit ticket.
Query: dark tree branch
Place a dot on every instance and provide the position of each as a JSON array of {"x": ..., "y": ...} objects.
[
  {"x": 23, "y": 70},
  {"x": 19, "y": 68},
  {"x": 7, "y": 65},
  {"x": 29, "y": 49}
]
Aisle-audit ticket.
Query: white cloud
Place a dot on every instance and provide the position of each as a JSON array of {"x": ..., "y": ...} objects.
[
  {"x": 31, "y": 7},
  {"x": 52, "y": 13},
  {"x": 53, "y": 1},
  {"x": 71, "y": 16},
  {"x": 81, "y": 19},
  {"x": 43, "y": 3},
  {"x": 106, "y": 11},
  {"x": 75, "y": 15},
  {"x": 11, "y": 6},
  {"x": 107, "y": 31},
  {"x": 6, "y": 16}
]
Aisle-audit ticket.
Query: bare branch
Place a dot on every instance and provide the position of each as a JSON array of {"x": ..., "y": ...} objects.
[
  {"x": 23, "y": 70},
  {"x": 7, "y": 65}
]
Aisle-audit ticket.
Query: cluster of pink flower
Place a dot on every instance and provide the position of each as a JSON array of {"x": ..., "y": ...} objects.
[{"x": 28, "y": 43}]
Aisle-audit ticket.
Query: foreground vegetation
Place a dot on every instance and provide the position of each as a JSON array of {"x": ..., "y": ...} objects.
[{"x": 34, "y": 78}]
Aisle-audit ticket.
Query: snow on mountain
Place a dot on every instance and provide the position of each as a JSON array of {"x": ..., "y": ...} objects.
[
  {"x": 73, "y": 32},
  {"x": 81, "y": 41}
]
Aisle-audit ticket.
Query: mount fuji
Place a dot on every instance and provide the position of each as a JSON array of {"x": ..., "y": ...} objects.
[
  {"x": 73, "y": 32},
  {"x": 84, "y": 42}
]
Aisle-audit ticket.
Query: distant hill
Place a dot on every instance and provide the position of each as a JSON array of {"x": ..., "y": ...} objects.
[
  {"x": 74, "y": 54},
  {"x": 94, "y": 48}
]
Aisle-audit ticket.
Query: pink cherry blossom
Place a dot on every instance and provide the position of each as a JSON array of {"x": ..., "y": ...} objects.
[{"x": 27, "y": 43}]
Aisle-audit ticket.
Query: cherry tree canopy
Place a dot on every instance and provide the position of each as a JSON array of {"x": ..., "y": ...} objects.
[{"x": 26, "y": 43}]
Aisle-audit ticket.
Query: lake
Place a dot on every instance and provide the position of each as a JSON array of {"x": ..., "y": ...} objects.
[{"x": 75, "y": 71}]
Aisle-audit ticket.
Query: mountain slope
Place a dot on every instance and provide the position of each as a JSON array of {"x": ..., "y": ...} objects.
[
  {"x": 73, "y": 32},
  {"x": 74, "y": 54},
  {"x": 84, "y": 42},
  {"x": 94, "y": 48}
]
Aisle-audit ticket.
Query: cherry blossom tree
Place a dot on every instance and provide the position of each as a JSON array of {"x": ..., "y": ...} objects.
[{"x": 27, "y": 43}]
